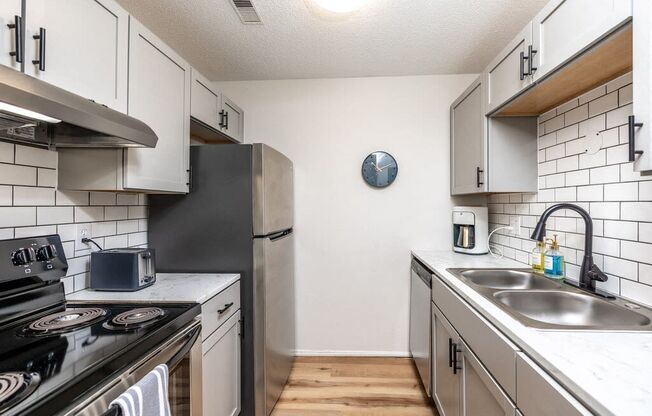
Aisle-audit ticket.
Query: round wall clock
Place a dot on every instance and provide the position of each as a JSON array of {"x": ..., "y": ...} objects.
[{"x": 379, "y": 169}]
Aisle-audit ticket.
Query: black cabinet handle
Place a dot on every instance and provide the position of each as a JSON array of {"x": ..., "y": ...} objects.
[
  {"x": 18, "y": 26},
  {"x": 478, "y": 173},
  {"x": 450, "y": 352},
  {"x": 531, "y": 69},
  {"x": 455, "y": 362},
  {"x": 226, "y": 118},
  {"x": 225, "y": 308},
  {"x": 221, "y": 123},
  {"x": 632, "y": 125},
  {"x": 41, "y": 49},
  {"x": 521, "y": 70}
]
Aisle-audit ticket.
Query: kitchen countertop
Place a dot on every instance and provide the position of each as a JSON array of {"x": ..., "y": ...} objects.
[
  {"x": 169, "y": 287},
  {"x": 608, "y": 371}
]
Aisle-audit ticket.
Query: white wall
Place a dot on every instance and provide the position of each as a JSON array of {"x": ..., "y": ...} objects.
[{"x": 353, "y": 242}]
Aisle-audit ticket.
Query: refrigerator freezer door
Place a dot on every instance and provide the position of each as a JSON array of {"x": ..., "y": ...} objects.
[
  {"x": 275, "y": 318},
  {"x": 273, "y": 191}
]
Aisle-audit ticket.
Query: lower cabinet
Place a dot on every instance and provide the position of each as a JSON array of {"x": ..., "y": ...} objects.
[
  {"x": 221, "y": 370},
  {"x": 463, "y": 386}
]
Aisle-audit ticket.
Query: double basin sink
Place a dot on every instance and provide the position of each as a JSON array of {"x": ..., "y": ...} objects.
[{"x": 539, "y": 302}]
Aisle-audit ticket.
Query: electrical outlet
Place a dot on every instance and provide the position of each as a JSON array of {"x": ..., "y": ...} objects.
[
  {"x": 515, "y": 223},
  {"x": 83, "y": 231}
]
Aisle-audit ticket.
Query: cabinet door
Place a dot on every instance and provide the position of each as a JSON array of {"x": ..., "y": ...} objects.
[
  {"x": 564, "y": 28},
  {"x": 642, "y": 74},
  {"x": 159, "y": 95},
  {"x": 448, "y": 389},
  {"x": 482, "y": 394},
  {"x": 232, "y": 119},
  {"x": 221, "y": 370},
  {"x": 508, "y": 73},
  {"x": 85, "y": 48},
  {"x": 468, "y": 138},
  {"x": 204, "y": 101},
  {"x": 8, "y": 12}
]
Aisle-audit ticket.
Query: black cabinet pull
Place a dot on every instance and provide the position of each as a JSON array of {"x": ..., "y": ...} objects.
[
  {"x": 455, "y": 362},
  {"x": 521, "y": 69},
  {"x": 450, "y": 352},
  {"x": 632, "y": 125},
  {"x": 18, "y": 26},
  {"x": 478, "y": 173},
  {"x": 221, "y": 123},
  {"x": 225, "y": 308},
  {"x": 226, "y": 120},
  {"x": 41, "y": 49},
  {"x": 531, "y": 69}
]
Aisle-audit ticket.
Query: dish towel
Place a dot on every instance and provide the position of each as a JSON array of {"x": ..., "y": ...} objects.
[{"x": 148, "y": 397}]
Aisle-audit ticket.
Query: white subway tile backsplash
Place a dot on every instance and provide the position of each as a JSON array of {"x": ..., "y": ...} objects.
[
  {"x": 636, "y": 291},
  {"x": 627, "y": 191},
  {"x": 578, "y": 177},
  {"x": 553, "y": 124},
  {"x": 102, "y": 198},
  {"x": 645, "y": 191},
  {"x": 139, "y": 238},
  {"x": 566, "y": 194},
  {"x": 6, "y": 152},
  {"x": 592, "y": 125},
  {"x": 547, "y": 168},
  {"x": 46, "y": 177},
  {"x": 622, "y": 268},
  {"x": 603, "y": 104},
  {"x": 618, "y": 154},
  {"x": 625, "y": 95},
  {"x": 645, "y": 232},
  {"x": 618, "y": 117},
  {"x": 34, "y": 156},
  {"x": 72, "y": 198},
  {"x": 626, "y": 230},
  {"x": 555, "y": 181},
  {"x": 645, "y": 273},
  {"x": 567, "y": 164},
  {"x": 576, "y": 115},
  {"x": 605, "y": 174},
  {"x": 116, "y": 241},
  {"x": 127, "y": 199},
  {"x": 548, "y": 115},
  {"x": 54, "y": 215},
  {"x": 22, "y": 232},
  {"x": 17, "y": 216},
  {"x": 636, "y": 211},
  {"x": 568, "y": 133},
  {"x": 547, "y": 140},
  {"x": 115, "y": 213},
  {"x": 619, "y": 82},
  {"x": 593, "y": 160},
  {"x": 641, "y": 252},
  {"x": 605, "y": 210},
  {"x": 31, "y": 196},
  {"x": 590, "y": 193},
  {"x": 592, "y": 95},
  {"x": 6, "y": 195},
  {"x": 89, "y": 214},
  {"x": 17, "y": 175},
  {"x": 556, "y": 152},
  {"x": 125, "y": 227},
  {"x": 137, "y": 212}
]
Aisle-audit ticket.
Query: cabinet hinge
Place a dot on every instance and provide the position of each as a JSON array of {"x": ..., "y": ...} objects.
[
  {"x": 241, "y": 329},
  {"x": 189, "y": 183}
]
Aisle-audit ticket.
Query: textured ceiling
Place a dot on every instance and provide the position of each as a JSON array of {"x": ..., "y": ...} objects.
[{"x": 386, "y": 37}]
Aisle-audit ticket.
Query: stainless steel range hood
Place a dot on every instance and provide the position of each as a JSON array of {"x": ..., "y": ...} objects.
[{"x": 35, "y": 112}]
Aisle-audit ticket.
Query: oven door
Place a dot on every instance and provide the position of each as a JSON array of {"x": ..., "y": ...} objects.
[{"x": 182, "y": 354}]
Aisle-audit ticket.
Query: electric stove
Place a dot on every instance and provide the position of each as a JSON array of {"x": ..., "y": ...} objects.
[{"x": 54, "y": 354}]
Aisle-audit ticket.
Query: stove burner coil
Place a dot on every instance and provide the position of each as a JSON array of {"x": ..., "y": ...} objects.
[
  {"x": 66, "y": 320},
  {"x": 16, "y": 386},
  {"x": 136, "y": 318}
]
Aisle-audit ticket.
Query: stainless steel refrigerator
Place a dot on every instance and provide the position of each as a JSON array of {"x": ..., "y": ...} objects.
[{"x": 238, "y": 217}]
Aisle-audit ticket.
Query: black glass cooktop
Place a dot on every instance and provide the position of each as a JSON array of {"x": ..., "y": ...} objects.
[{"x": 51, "y": 359}]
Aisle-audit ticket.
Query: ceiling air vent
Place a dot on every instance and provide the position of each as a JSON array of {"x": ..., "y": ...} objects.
[{"x": 247, "y": 12}]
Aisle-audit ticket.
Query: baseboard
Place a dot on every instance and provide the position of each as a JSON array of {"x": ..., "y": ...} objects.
[{"x": 340, "y": 353}]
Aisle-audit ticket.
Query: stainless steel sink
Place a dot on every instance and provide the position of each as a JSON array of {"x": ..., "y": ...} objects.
[
  {"x": 508, "y": 279},
  {"x": 539, "y": 302}
]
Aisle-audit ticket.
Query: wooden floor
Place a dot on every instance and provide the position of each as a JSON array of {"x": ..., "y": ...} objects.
[{"x": 329, "y": 386}]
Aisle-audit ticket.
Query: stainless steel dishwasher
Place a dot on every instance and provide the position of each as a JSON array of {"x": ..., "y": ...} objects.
[{"x": 420, "y": 284}]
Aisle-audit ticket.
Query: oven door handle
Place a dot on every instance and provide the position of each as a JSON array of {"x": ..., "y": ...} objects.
[{"x": 192, "y": 337}]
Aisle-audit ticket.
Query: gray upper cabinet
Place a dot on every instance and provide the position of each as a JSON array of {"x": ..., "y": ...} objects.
[
  {"x": 468, "y": 141},
  {"x": 510, "y": 72},
  {"x": 205, "y": 102},
  {"x": 641, "y": 139},
  {"x": 10, "y": 11},
  {"x": 565, "y": 28},
  {"x": 159, "y": 95},
  {"x": 84, "y": 49},
  {"x": 232, "y": 119}
]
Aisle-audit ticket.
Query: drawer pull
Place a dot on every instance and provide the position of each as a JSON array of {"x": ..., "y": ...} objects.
[{"x": 225, "y": 308}]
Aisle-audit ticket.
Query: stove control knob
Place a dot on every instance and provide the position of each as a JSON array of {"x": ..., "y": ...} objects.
[
  {"x": 45, "y": 253},
  {"x": 23, "y": 256}
]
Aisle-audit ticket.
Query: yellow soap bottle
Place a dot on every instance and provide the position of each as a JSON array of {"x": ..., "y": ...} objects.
[{"x": 536, "y": 257}]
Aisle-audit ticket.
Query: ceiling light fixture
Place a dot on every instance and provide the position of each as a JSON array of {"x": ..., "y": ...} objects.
[{"x": 340, "y": 6}]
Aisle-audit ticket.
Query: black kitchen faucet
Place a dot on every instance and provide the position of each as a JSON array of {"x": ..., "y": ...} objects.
[{"x": 589, "y": 272}]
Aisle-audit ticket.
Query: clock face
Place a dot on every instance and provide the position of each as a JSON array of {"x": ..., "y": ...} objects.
[{"x": 379, "y": 169}]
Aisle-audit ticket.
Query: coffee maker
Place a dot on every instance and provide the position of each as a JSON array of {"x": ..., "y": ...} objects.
[{"x": 470, "y": 228}]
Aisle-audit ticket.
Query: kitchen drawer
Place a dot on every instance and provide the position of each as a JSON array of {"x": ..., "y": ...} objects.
[
  {"x": 540, "y": 395},
  {"x": 494, "y": 350},
  {"x": 227, "y": 301}
]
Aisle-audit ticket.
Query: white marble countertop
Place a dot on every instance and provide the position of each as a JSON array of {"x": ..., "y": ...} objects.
[
  {"x": 610, "y": 372},
  {"x": 169, "y": 287}
]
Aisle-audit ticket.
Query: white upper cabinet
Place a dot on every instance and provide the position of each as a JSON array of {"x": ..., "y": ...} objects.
[
  {"x": 205, "y": 102},
  {"x": 10, "y": 45},
  {"x": 232, "y": 119},
  {"x": 640, "y": 129},
  {"x": 510, "y": 72},
  {"x": 565, "y": 28},
  {"x": 468, "y": 141},
  {"x": 84, "y": 49},
  {"x": 159, "y": 95}
]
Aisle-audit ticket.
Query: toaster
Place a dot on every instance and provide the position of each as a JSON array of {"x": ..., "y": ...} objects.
[{"x": 123, "y": 269}]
